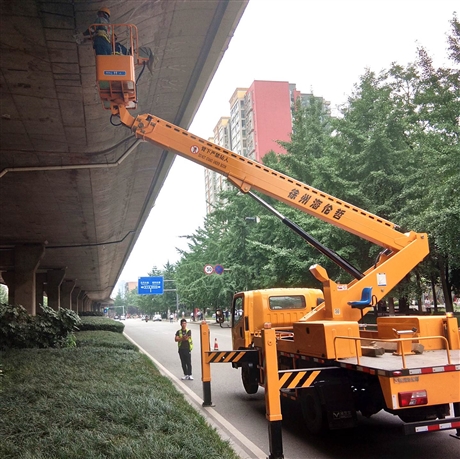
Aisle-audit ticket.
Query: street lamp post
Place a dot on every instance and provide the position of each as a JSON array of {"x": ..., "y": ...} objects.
[{"x": 177, "y": 297}]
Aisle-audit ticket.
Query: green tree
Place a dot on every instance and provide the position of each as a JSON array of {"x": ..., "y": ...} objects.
[
  {"x": 3, "y": 295},
  {"x": 434, "y": 182},
  {"x": 394, "y": 152},
  {"x": 130, "y": 302},
  {"x": 256, "y": 255},
  {"x": 119, "y": 303},
  {"x": 159, "y": 304}
]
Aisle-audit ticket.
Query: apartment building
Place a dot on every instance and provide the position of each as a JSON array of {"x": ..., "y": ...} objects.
[{"x": 260, "y": 116}]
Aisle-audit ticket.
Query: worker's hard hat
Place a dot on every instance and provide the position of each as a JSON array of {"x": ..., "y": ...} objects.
[{"x": 104, "y": 9}]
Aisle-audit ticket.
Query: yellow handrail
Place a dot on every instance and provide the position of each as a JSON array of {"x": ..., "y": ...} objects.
[{"x": 392, "y": 340}]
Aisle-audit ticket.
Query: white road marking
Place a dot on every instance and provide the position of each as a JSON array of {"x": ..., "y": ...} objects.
[{"x": 255, "y": 450}]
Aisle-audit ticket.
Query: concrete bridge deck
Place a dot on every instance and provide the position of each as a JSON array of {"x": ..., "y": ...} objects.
[{"x": 67, "y": 225}]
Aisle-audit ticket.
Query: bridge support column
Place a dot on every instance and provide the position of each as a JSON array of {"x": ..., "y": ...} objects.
[
  {"x": 66, "y": 293},
  {"x": 75, "y": 294},
  {"x": 53, "y": 289},
  {"x": 40, "y": 279},
  {"x": 86, "y": 304},
  {"x": 21, "y": 282},
  {"x": 81, "y": 301}
]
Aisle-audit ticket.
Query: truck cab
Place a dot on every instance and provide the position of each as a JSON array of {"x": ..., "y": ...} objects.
[{"x": 279, "y": 306}]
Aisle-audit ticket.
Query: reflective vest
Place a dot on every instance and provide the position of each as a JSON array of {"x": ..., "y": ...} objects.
[
  {"x": 102, "y": 31},
  {"x": 189, "y": 334}
]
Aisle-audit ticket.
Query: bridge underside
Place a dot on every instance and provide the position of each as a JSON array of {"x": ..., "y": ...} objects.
[{"x": 70, "y": 211}]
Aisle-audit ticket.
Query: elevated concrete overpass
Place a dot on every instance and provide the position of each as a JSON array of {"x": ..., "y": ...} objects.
[{"x": 74, "y": 190}]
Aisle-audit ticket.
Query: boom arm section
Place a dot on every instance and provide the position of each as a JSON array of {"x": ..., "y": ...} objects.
[
  {"x": 246, "y": 175},
  {"x": 402, "y": 251}
]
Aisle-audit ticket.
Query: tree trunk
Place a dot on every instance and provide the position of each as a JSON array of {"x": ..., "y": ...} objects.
[
  {"x": 391, "y": 306},
  {"x": 433, "y": 290},
  {"x": 446, "y": 290},
  {"x": 403, "y": 305},
  {"x": 419, "y": 291}
]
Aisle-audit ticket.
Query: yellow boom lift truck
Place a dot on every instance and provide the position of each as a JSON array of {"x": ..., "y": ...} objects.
[{"x": 306, "y": 344}]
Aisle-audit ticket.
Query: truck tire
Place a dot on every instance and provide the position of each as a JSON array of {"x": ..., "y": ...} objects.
[
  {"x": 312, "y": 412},
  {"x": 249, "y": 379}
]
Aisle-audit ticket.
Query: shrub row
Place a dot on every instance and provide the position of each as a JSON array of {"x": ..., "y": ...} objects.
[
  {"x": 51, "y": 328},
  {"x": 100, "y": 323},
  {"x": 91, "y": 313}
]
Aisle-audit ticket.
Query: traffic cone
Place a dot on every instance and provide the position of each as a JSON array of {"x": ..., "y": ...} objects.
[{"x": 216, "y": 345}]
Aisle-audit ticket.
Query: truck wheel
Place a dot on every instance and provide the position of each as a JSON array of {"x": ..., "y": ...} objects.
[
  {"x": 312, "y": 411},
  {"x": 249, "y": 379}
]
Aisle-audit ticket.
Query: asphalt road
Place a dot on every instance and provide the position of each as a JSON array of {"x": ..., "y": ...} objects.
[{"x": 241, "y": 417}]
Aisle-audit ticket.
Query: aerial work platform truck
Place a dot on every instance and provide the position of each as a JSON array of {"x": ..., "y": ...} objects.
[{"x": 311, "y": 345}]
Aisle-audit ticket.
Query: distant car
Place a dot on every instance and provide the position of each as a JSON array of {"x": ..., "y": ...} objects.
[
  {"x": 157, "y": 318},
  {"x": 122, "y": 317},
  {"x": 116, "y": 317}
]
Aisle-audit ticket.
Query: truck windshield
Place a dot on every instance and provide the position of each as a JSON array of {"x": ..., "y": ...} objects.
[{"x": 287, "y": 302}]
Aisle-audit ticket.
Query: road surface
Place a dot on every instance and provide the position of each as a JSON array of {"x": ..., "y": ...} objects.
[{"x": 240, "y": 418}]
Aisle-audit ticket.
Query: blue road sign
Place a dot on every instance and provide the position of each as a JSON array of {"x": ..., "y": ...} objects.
[
  {"x": 150, "y": 285},
  {"x": 218, "y": 269}
]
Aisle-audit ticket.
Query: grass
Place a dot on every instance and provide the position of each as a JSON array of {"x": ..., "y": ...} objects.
[
  {"x": 103, "y": 339},
  {"x": 100, "y": 399}
]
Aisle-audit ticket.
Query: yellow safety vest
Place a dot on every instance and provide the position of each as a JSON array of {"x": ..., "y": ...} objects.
[
  {"x": 102, "y": 31},
  {"x": 190, "y": 342}
]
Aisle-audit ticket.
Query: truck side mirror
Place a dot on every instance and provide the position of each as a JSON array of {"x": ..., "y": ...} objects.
[{"x": 219, "y": 316}]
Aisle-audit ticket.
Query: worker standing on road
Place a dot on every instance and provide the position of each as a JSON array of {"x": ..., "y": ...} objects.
[
  {"x": 101, "y": 41},
  {"x": 184, "y": 341}
]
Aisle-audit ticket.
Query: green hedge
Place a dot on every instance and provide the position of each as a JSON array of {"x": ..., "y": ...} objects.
[
  {"x": 101, "y": 323},
  {"x": 91, "y": 314}
]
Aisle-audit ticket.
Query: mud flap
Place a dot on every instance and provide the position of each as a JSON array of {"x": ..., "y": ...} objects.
[{"x": 337, "y": 399}]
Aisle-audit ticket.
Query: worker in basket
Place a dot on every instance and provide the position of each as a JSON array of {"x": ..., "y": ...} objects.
[
  {"x": 101, "y": 40},
  {"x": 119, "y": 48}
]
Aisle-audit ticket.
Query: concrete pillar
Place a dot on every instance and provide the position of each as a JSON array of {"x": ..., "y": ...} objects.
[
  {"x": 83, "y": 302},
  {"x": 54, "y": 279},
  {"x": 74, "y": 298},
  {"x": 66, "y": 293},
  {"x": 8, "y": 277},
  {"x": 26, "y": 261},
  {"x": 40, "y": 279},
  {"x": 86, "y": 304},
  {"x": 81, "y": 299}
]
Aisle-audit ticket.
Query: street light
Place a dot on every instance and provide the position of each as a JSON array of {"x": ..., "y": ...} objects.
[{"x": 173, "y": 290}]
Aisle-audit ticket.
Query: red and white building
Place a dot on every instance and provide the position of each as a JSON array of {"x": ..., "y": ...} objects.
[{"x": 260, "y": 116}]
